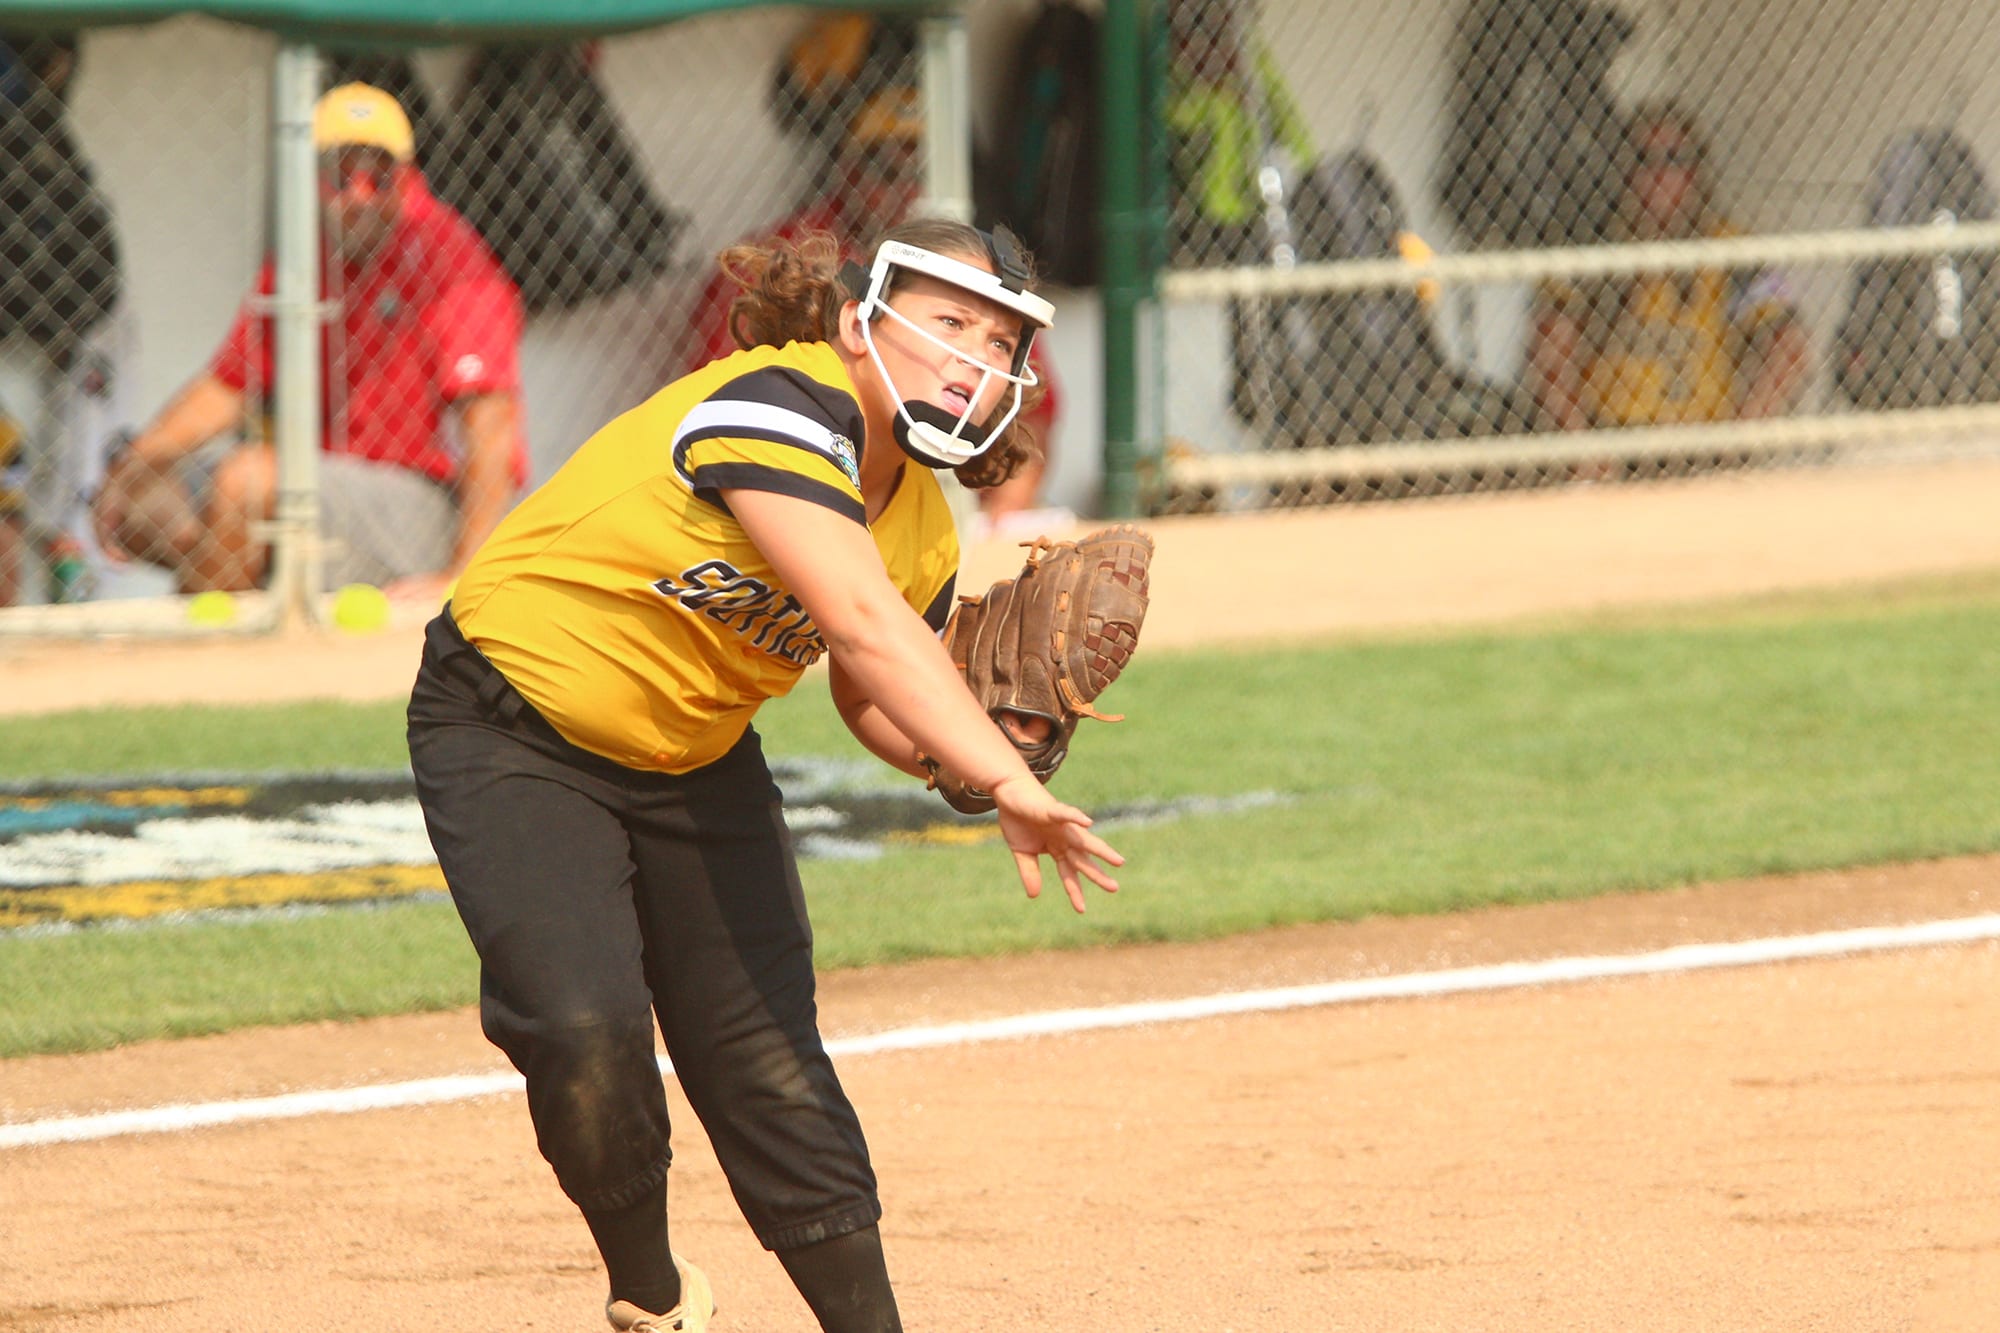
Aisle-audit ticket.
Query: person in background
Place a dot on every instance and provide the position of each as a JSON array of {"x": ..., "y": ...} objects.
[
  {"x": 870, "y": 181},
  {"x": 63, "y": 352},
  {"x": 1229, "y": 117},
  {"x": 423, "y": 449},
  {"x": 1692, "y": 345}
]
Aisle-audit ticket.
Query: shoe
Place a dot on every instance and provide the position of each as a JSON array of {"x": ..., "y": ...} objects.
[{"x": 696, "y": 1308}]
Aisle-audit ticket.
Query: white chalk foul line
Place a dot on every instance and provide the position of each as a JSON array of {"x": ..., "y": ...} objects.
[{"x": 1500, "y": 976}]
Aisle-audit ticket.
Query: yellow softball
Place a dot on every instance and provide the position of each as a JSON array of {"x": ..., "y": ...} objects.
[
  {"x": 212, "y": 609},
  {"x": 360, "y": 608}
]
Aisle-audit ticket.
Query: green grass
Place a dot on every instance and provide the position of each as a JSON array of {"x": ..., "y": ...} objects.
[
  {"x": 147, "y": 742},
  {"x": 106, "y": 987},
  {"x": 1419, "y": 775}
]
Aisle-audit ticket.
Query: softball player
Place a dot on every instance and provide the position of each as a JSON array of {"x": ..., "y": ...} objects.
[{"x": 580, "y": 731}]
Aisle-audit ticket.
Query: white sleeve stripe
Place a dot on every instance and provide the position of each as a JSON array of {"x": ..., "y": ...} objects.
[
  {"x": 735, "y": 416},
  {"x": 742, "y": 419}
]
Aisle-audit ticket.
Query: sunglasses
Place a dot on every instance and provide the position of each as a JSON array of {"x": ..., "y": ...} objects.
[
  {"x": 894, "y": 158},
  {"x": 1670, "y": 155},
  {"x": 366, "y": 177}
]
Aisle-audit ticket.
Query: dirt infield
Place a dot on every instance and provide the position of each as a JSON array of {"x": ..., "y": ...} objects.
[
  {"x": 1797, "y": 1146},
  {"x": 1408, "y": 566}
]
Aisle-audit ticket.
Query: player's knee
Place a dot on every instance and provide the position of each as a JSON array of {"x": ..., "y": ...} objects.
[{"x": 598, "y": 1102}]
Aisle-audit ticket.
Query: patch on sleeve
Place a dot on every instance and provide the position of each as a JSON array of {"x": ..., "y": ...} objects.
[{"x": 774, "y": 407}]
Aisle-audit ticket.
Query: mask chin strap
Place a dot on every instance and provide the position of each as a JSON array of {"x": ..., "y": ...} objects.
[
  {"x": 930, "y": 434},
  {"x": 933, "y": 435}
]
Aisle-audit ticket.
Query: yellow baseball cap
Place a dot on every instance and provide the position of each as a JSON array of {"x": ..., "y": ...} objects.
[
  {"x": 363, "y": 116},
  {"x": 892, "y": 115}
]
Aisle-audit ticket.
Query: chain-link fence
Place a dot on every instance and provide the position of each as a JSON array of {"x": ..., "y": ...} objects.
[
  {"x": 85, "y": 264},
  {"x": 1461, "y": 244},
  {"x": 518, "y": 246},
  {"x": 1434, "y": 247}
]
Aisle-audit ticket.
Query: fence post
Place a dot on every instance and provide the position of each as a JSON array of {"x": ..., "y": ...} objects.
[
  {"x": 297, "y": 560},
  {"x": 946, "y": 72},
  {"x": 1128, "y": 266}
]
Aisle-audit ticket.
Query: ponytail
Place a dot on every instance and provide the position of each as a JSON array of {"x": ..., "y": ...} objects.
[{"x": 790, "y": 292}]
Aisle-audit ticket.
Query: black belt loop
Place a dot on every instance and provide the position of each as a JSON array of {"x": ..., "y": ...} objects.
[
  {"x": 498, "y": 697},
  {"x": 460, "y": 657}
]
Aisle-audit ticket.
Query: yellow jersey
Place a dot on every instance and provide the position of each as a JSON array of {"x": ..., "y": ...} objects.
[
  {"x": 1665, "y": 348},
  {"x": 626, "y": 603}
]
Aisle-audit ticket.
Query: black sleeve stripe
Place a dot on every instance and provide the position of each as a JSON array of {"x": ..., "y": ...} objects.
[
  {"x": 942, "y": 605},
  {"x": 711, "y": 481},
  {"x": 795, "y": 391},
  {"x": 738, "y": 431}
]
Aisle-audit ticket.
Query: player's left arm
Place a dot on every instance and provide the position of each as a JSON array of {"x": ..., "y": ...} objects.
[{"x": 870, "y": 725}]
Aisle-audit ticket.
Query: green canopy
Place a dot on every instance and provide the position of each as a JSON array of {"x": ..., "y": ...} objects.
[{"x": 336, "y": 21}]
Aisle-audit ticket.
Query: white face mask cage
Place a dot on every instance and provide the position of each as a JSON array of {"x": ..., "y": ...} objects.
[{"x": 928, "y": 433}]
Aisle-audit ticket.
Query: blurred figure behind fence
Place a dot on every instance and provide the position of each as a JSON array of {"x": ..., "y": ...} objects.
[{"x": 422, "y": 450}]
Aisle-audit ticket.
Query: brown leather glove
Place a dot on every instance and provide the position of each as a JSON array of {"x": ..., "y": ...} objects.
[{"x": 1039, "y": 648}]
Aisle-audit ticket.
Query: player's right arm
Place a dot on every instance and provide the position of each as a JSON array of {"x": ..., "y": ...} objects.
[
  {"x": 892, "y": 658},
  {"x": 894, "y": 662}
]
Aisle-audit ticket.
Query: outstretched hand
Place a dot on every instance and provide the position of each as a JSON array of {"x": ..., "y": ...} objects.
[{"x": 1036, "y": 824}]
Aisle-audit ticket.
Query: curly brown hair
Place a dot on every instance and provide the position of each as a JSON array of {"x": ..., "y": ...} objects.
[{"x": 794, "y": 292}]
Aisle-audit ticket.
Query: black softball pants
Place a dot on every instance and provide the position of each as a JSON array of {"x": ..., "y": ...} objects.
[{"x": 599, "y": 898}]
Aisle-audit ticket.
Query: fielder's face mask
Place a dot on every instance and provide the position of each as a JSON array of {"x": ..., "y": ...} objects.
[{"x": 929, "y": 433}]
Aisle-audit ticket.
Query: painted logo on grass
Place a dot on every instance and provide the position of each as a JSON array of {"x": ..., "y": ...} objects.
[{"x": 84, "y": 853}]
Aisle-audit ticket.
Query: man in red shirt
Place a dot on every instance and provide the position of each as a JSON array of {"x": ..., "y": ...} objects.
[{"x": 423, "y": 450}]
